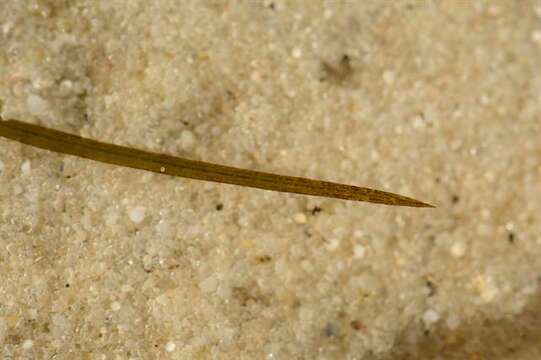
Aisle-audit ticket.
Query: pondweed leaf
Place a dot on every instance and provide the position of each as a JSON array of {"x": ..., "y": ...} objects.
[{"x": 65, "y": 143}]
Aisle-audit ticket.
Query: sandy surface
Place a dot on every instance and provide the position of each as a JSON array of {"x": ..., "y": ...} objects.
[{"x": 436, "y": 100}]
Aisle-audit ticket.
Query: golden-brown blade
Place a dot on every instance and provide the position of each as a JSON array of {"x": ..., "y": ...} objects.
[{"x": 61, "y": 142}]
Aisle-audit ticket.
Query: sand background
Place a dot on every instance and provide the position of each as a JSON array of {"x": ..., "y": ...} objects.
[{"x": 439, "y": 100}]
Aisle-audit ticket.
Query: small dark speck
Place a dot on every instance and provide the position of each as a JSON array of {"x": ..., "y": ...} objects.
[
  {"x": 356, "y": 325},
  {"x": 308, "y": 234},
  {"x": 431, "y": 288},
  {"x": 316, "y": 210},
  {"x": 511, "y": 237},
  {"x": 271, "y": 6},
  {"x": 455, "y": 199},
  {"x": 67, "y": 285},
  {"x": 329, "y": 330},
  {"x": 339, "y": 73},
  {"x": 219, "y": 207},
  {"x": 426, "y": 332},
  {"x": 263, "y": 258}
]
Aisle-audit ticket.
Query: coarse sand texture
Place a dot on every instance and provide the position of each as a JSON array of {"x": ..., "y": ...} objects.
[{"x": 435, "y": 100}]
